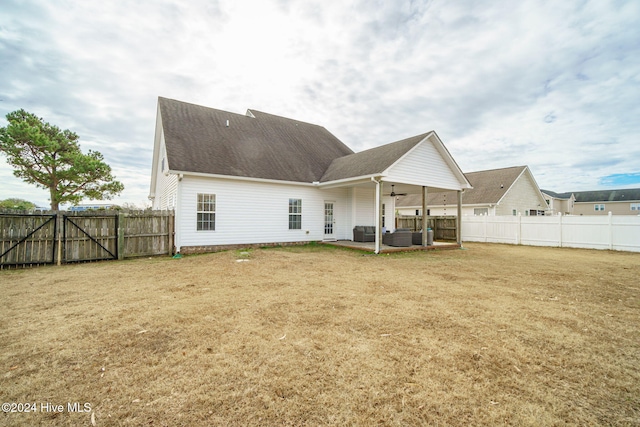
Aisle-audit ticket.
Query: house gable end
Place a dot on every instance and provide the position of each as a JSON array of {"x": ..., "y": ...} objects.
[
  {"x": 522, "y": 196},
  {"x": 426, "y": 165},
  {"x": 158, "y": 143}
]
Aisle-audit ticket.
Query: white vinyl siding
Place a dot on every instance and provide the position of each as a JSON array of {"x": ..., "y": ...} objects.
[
  {"x": 166, "y": 199},
  {"x": 256, "y": 212},
  {"x": 364, "y": 207},
  {"x": 523, "y": 196},
  {"x": 423, "y": 165},
  {"x": 166, "y": 185}
]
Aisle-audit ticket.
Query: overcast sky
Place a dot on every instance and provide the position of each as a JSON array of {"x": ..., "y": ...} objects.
[{"x": 553, "y": 85}]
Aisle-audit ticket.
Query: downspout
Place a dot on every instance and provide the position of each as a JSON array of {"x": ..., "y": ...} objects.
[
  {"x": 177, "y": 242},
  {"x": 459, "y": 219},
  {"x": 378, "y": 217}
]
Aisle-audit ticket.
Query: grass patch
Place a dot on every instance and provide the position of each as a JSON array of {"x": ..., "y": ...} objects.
[{"x": 316, "y": 335}]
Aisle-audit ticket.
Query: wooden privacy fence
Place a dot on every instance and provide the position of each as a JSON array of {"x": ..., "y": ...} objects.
[
  {"x": 62, "y": 237},
  {"x": 444, "y": 227}
]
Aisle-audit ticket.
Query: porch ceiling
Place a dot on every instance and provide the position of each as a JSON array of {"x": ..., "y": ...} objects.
[{"x": 399, "y": 187}]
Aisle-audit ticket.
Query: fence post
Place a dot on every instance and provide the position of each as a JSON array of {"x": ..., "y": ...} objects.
[
  {"x": 171, "y": 225},
  {"x": 560, "y": 229},
  {"x": 60, "y": 230},
  {"x": 610, "y": 230},
  {"x": 484, "y": 220},
  {"x": 121, "y": 227}
]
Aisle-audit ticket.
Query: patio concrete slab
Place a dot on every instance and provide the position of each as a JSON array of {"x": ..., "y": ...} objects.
[{"x": 370, "y": 246}]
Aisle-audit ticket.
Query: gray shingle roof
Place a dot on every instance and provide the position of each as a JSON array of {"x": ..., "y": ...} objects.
[
  {"x": 624, "y": 195},
  {"x": 263, "y": 146},
  {"x": 488, "y": 187},
  {"x": 557, "y": 195},
  {"x": 370, "y": 162}
]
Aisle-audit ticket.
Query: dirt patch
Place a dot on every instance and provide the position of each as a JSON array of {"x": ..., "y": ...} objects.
[{"x": 493, "y": 334}]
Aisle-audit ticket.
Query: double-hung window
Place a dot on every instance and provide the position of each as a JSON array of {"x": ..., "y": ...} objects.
[
  {"x": 635, "y": 207},
  {"x": 295, "y": 214},
  {"x": 599, "y": 207},
  {"x": 206, "y": 210}
]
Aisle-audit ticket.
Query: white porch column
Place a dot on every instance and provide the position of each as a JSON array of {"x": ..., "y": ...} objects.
[
  {"x": 459, "y": 219},
  {"x": 424, "y": 216},
  {"x": 378, "y": 216}
]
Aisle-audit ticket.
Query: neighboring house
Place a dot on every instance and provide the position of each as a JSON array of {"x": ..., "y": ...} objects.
[
  {"x": 507, "y": 191},
  {"x": 600, "y": 202},
  {"x": 92, "y": 207},
  {"x": 263, "y": 179},
  {"x": 559, "y": 203}
]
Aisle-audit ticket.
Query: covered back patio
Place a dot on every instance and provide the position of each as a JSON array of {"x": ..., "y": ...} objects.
[
  {"x": 376, "y": 177},
  {"x": 370, "y": 246}
]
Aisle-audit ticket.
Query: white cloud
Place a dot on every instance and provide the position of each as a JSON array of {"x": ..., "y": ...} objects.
[{"x": 553, "y": 85}]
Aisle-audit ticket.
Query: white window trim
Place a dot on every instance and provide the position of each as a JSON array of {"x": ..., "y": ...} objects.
[
  {"x": 297, "y": 203},
  {"x": 200, "y": 209}
]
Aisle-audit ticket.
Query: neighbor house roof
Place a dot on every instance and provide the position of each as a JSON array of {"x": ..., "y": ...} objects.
[
  {"x": 565, "y": 196},
  {"x": 623, "y": 195},
  {"x": 489, "y": 187},
  {"x": 257, "y": 145},
  {"x": 370, "y": 162}
]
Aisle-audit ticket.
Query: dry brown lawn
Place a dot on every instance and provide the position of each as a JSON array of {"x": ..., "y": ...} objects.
[{"x": 489, "y": 335}]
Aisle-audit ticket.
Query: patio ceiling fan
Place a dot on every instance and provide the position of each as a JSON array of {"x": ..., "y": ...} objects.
[{"x": 393, "y": 192}]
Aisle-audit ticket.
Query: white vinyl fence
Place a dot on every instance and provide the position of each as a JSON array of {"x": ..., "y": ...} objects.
[{"x": 615, "y": 232}]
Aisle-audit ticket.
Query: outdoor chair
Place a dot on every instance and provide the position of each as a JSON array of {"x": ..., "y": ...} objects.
[
  {"x": 417, "y": 237},
  {"x": 364, "y": 233},
  {"x": 402, "y": 237}
]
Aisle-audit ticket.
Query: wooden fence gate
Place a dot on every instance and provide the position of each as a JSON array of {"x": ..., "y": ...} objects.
[
  {"x": 62, "y": 237},
  {"x": 90, "y": 238},
  {"x": 27, "y": 239}
]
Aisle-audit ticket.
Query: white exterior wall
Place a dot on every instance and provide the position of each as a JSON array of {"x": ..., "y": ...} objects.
[
  {"x": 249, "y": 212},
  {"x": 257, "y": 212},
  {"x": 341, "y": 198},
  {"x": 423, "y": 166},
  {"x": 451, "y": 210},
  {"x": 364, "y": 206},
  {"x": 560, "y": 206},
  {"x": 166, "y": 185},
  {"x": 522, "y": 196}
]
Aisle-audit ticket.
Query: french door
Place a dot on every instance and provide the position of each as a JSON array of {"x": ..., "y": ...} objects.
[{"x": 329, "y": 221}]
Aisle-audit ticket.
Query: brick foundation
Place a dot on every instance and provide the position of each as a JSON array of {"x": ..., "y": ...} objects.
[{"x": 186, "y": 250}]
